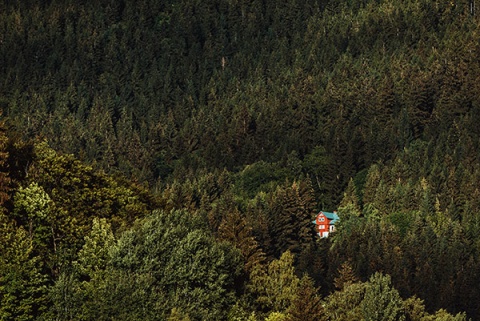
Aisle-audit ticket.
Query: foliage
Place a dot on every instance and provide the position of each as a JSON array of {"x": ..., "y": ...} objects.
[
  {"x": 165, "y": 266},
  {"x": 23, "y": 286},
  {"x": 376, "y": 299},
  {"x": 276, "y": 284},
  {"x": 234, "y": 229},
  {"x": 33, "y": 209},
  {"x": 244, "y": 119},
  {"x": 381, "y": 301},
  {"x": 276, "y": 316},
  {"x": 307, "y": 304}
]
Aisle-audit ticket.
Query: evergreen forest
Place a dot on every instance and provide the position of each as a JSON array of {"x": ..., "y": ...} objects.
[{"x": 164, "y": 160}]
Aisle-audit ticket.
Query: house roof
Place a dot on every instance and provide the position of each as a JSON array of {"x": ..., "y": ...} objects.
[{"x": 332, "y": 217}]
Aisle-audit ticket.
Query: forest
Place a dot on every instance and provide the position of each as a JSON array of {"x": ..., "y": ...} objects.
[{"x": 164, "y": 160}]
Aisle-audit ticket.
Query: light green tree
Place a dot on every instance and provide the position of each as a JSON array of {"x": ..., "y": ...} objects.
[
  {"x": 276, "y": 316},
  {"x": 372, "y": 300},
  {"x": 443, "y": 315},
  {"x": 381, "y": 301},
  {"x": 23, "y": 286},
  {"x": 177, "y": 315},
  {"x": 33, "y": 209},
  {"x": 276, "y": 284},
  {"x": 239, "y": 312},
  {"x": 94, "y": 254},
  {"x": 415, "y": 311},
  {"x": 76, "y": 293},
  {"x": 344, "y": 305},
  {"x": 350, "y": 204},
  {"x": 166, "y": 266}
]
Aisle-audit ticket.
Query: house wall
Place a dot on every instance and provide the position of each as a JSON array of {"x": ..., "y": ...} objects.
[{"x": 323, "y": 225}]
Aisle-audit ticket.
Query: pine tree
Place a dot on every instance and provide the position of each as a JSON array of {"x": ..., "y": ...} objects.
[
  {"x": 23, "y": 285},
  {"x": 349, "y": 206},
  {"x": 275, "y": 286},
  {"x": 381, "y": 301},
  {"x": 346, "y": 276},
  {"x": 234, "y": 229},
  {"x": 307, "y": 304},
  {"x": 93, "y": 256},
  {"x": 33, "y": 209},
  {"x": 346, "y": 304},
  {"x": 5, "y": 180},
  {"x": 292, "y": 212}
]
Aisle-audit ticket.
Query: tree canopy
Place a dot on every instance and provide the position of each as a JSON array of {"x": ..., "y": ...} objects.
[{"x": 166, "y": 159}]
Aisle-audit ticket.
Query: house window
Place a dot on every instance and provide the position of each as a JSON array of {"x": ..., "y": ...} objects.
[
  {"x": 322, "y": 227},
  {"x": 321, "y": 219}
]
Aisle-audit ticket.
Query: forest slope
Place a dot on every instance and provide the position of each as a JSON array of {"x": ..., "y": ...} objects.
[
  {"x": 248, "y": 116},
  {"x": 158, "y": 90}
]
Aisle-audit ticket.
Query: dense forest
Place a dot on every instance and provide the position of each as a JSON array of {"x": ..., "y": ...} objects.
[{"x": 164, "y": 160}]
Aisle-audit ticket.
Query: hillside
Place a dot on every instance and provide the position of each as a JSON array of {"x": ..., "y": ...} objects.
[{"x": 226, "y": 126}]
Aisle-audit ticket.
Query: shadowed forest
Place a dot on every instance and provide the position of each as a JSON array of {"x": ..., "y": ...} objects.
[{"x": 164, "y": 160}]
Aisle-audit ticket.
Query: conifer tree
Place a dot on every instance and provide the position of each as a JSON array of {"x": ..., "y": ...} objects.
[
  {"x": 371, "y": 184},
  {"x": 33, "y": 209},
  {"x": 235, "y": 229},
  {"x": 346, "y": 276},
  {"x": 5, "y": 180},
  {"x": 307, "y": 304},
  {"x": 381, "y": 301},
  {"x": 23, "y": 285},
  {"x": 345, "y": 305},
  {"x": 291, "y": 215},
  {"x": 349, "y": 206},
  {"x": 275, "y": 285}
]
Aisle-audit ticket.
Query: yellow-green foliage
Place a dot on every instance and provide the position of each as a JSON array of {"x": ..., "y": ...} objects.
[
  {"x": 276, "y": 316},
  {"x": 275, "y": 285}
]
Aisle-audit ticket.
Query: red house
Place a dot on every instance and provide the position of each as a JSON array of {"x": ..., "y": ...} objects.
[{"x": 325, "y": 223}]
